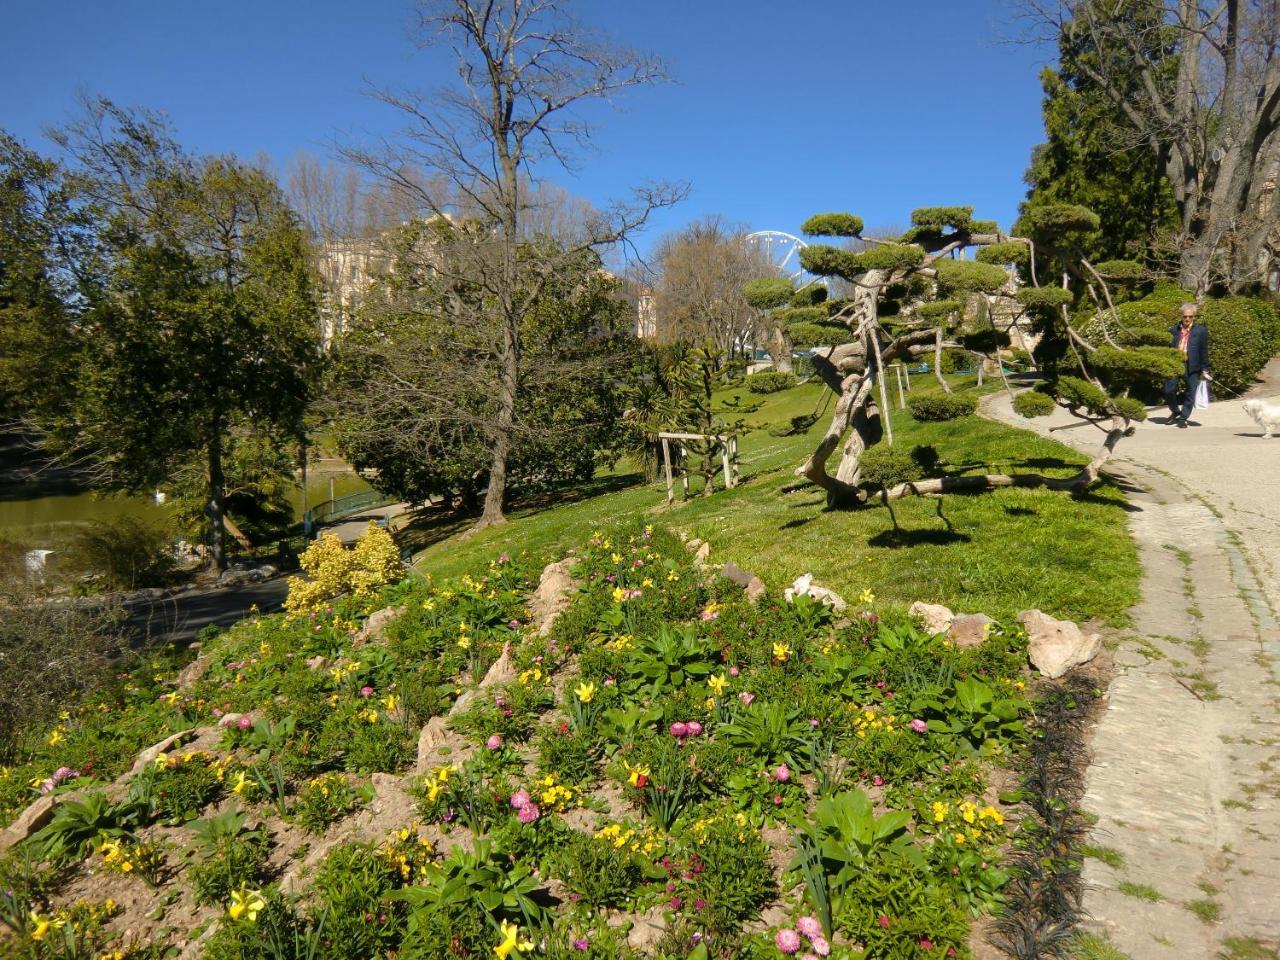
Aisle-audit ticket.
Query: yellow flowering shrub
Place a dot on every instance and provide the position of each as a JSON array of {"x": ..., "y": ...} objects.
[{"x": 334, "y": 570}]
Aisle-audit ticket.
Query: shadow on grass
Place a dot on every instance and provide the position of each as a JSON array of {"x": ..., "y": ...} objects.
[
  {"x": 797, "y": 522},
  {"x": 1021, "y": 511},
  {"x": 893, "y": 539}
]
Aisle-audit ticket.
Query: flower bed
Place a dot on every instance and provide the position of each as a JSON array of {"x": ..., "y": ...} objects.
[{"x": 669, "y": 771}]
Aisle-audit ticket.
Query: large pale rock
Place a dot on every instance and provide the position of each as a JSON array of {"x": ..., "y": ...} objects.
[
  {"x": 195, "y": 670},
  {"x": 555, "y": 589},
  {"x": 432, "y": 735},
  {"x": 807, "y": 585},
  {"x": 502, "y": 671},
  {"x": 28, "y": 822},
  {"x": 1055, "y": 646},
  {"x": 148, "y": 756},
  {"x": 704, "y": 551},
  {"x": 752, "y": 585},
  {"x": 936, "y": 617},
  {"x": 648, "y": 929},
  {"x": 969, "y": 630},
  {"x": 375, "y": 625}
]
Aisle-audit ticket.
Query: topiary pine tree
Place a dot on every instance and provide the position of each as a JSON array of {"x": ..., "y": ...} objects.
[{"x": 909, "y": 301}]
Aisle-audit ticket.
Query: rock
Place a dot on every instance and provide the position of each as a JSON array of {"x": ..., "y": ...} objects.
[
  {"x": 693, "y": 545},
  {"x": 148, "y": 756},
  {"x": 194, "y": 671},
  {"x": 807, "y": 585},
  {"x": 752, "y": 585},
  {"x": 647, "y": 930},
  {"x": 704, "y": 551},
  {"x": 969, "y": 630},
  {"x": 28, "y": 822},
  {"x": 502, "y": 671},
  {"x": 375, "y": 625},
  {"x": 936, "y": 617},
  {"x": 555, "y": 587},
  {"x": 1055, "y": 646},
  {"x": 229, "y": 719},
  {"x": 432, "y": 736}
]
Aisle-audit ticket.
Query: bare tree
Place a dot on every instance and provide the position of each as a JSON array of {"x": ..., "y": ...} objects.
[
  {"x": 524, "y": 67},
  {"x": 699, "y": 274},
  {"x": 1198, "y": 84}
]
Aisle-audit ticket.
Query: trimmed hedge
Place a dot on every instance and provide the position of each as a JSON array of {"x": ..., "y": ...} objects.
[
  {"x": 1033, "y": 403},
  {"x": 818, "y": 334},
  {"x": 969, "y": 276},
  {"x": 943, "y": 406},
  {"x": 765, "y": 293},
  {"x": 1009, "y": 251},
  {"x": 769, "y": 381},
  {"x": 1044, "y": 298},
  {"x": 832, "y": 225},
  {"x": 886, "y": 466}
]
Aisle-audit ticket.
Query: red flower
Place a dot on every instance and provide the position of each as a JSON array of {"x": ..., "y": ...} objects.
[
  {"x": 926, "y": 944},
  {"x": 883, "y": 921},
  {"x": 641, "y": 780}
]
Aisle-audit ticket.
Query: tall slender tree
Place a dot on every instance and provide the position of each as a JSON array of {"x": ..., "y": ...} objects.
[{"x": 524, "y": 70}]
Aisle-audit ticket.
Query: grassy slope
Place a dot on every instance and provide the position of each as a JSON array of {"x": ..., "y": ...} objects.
[{"x": 1006, "y": 551}]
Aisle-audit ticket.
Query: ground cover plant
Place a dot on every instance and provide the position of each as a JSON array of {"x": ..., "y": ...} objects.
[{"x": 647, "y": 778}]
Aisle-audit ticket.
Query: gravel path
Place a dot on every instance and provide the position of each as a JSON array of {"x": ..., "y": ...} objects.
[{"x": 1185, "y": 773}]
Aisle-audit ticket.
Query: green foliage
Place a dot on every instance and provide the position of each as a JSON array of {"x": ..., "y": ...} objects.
[
  {"x": 601, "y": 873},
  {"x": 958, "y": 218},
  {"x": 1131, "y": 408},
  {"x": 832, "y": 225},
  {"x": 886, "y": 466},
  {"x": 1136, "y": 365},
  {"x": 768, "y": 381},
  {"x": 667, "y": 661},
  {"x": 809, "y": 314},
  {"x": 771, "y": 733},
  {"x": 1121, "y": 271},
  {"x": 819, "y": 334},
  {"x": 942, "y": 406},
  {"x": 938, "y": 309},
  {"x": 1010, "y": 251},
  {"x": 841, "y": 839},
  {"x": 1033, "y": 403},
  {"x": 1057, "y": 223},
  {"x": 969, "y": 276},
  {"x": 123, "y": 553},
  {"x": 766, "y": 293},
  {"x": 810, "y": 296},
  {"x": 467, "y": 880},
  {"x": 231, "y": 855},
  {"x": 1081, "y": 395},
  {"x": 890, "y": 256},
  {"x": 177, "y": 787},
  {"x": 824, "y": 260},
  {"x": 323, "y": 801},
  {"x": 77, "y": 824},
  {"x": 1244, "y": 333},
  {"x": 1044, "y": 298}
]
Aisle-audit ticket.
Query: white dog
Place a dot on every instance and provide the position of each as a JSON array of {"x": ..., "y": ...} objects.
[{"x": 1265, "y": 413}]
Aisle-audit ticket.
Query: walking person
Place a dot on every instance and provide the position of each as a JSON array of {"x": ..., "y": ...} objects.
[{"x": 1193, "y": 340}]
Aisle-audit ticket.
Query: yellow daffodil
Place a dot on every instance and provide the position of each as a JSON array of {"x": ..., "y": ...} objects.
[
  {"x": 247, "y": 904},
  {"x": 42, "y": 925},
  {"x": 170, "y": 698},
  {"x": 511, "y": 941},
  {"x": 242, "y": 784},
  {"x": 619, "y": 594},
  {"x": 390, "y": 701},
  {"x": 55, "y": 738},
  {"x": 781, "y": 652},
  {"x": 718, "y": 684},
  {"x": 585, "y": 691},
  {"x": 616, "y": 558}
]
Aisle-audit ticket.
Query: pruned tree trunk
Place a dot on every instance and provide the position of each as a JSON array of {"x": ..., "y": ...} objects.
[
  {"x": 937, "y": 361},
  {"x": 508, "y": 384},
  {"x": 217, "y": 485},
  {"x": 781, "y": 349}
]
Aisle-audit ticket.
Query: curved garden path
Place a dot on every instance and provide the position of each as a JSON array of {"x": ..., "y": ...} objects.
[{"x": 1184, "y": 778}]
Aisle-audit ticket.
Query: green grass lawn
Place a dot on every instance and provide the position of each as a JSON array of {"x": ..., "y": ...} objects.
[{"x": 995, "y": 553}]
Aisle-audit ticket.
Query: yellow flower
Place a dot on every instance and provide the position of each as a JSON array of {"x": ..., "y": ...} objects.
[
  {"x": 867, "y": 597},
  {"x": 585, "y": 691},
  {"x": 390, "y": 701},
  {"x": 247, "y": 904},
  {"x": 55, "y": 738},
  {"x": 672, "y": 576},
  {"x": 647, "y": 582},
  {"x": 616, "y": 558},
  {"x": 635, "y": 773},
  {"x": 370, "y": 715},
  {"x": 242, "y": 784},
  {"x": 619, "y": 595},
  {"x": 464, "y": 643},
  {"x": 170, "y": 698},
  {"x": 969, "y": 814},
  {"x": 781, "y": 652},
  {"x": 43, "y": 925},
  {"x": 960, "y": 838},
  {"x": 511, "y": 941},
  {"x": 718, "y": 684},
  {"x": 939, "y": 811}
]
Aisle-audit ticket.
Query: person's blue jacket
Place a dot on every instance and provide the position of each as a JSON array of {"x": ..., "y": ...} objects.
[{"x": 1197, "y": 346}]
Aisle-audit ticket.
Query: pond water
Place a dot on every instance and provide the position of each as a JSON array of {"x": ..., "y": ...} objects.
[{"x": 42, "y": 519}]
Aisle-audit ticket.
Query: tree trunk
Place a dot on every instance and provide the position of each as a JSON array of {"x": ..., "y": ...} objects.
[
  {"x": 937, "y": 361},
  {"x": 508, "y": 383},
  {"x": 217, "y": 483},
  {"x": 781, "y": 350}
]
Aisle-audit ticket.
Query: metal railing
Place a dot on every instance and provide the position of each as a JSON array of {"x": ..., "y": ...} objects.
[{"x": 347, "y": 506}]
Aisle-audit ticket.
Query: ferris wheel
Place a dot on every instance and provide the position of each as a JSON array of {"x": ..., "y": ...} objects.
[{"x": 782, "y": 249}]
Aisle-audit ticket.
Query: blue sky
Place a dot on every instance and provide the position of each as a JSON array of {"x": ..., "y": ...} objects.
[{"x": 781, "y": 110}]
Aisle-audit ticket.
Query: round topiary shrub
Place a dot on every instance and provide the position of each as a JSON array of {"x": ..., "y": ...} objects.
[
  {"x": 886, "y": 466},
  {"x": 1033, "y": 403},
  {"x": 943, "y": 406},
  {"x": 770, "y": 382}
]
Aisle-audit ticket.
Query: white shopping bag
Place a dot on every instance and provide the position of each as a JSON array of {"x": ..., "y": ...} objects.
[{"x": 1202, "y": 395}]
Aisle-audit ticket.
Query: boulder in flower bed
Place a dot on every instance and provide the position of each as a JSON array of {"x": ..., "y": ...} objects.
[
  {"x": 935, "y": 617},
  {"x": 970, "y": 629},
  {"x": 555, "y": 588},
  {"x": 752, "y": 585},
  {"x": 1056, "y": 646},
  {"x": 807, "y": 585}
]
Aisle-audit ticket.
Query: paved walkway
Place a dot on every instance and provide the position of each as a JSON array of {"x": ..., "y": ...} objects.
[{"x": 1185, "y": 772}]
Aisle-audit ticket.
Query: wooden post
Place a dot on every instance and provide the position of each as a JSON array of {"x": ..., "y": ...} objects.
[
  {"x": 884, "y": 391},
  {"x": 666, "y": 464},
  {"x": 724, "y": 460},
  {"x": 980, "y": 362},
  {"x": 684, "y": 470},
  {"x": 734, "y": 459},
  {"x": 902, "y": 397}
]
